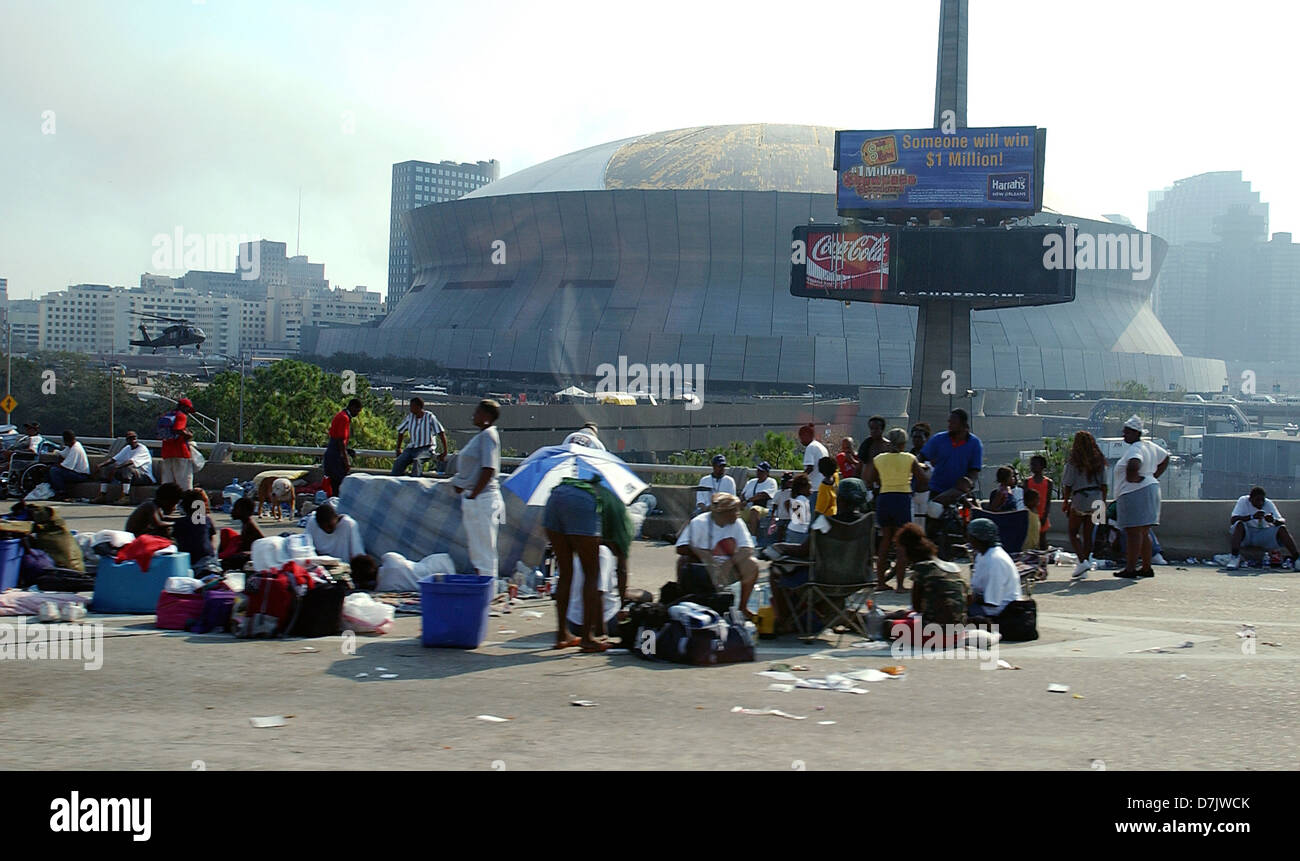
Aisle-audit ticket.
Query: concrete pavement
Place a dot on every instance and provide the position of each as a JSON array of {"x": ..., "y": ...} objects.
[{"x": 1145, "y": 699}]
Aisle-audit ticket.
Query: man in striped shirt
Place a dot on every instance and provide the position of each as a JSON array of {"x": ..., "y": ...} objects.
[{"x": 423, "y": 426}]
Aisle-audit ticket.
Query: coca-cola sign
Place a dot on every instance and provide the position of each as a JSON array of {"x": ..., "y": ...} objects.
[{"x": 847, "y": 260}]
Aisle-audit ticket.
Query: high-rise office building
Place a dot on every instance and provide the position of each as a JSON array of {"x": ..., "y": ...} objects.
[
  {"x": 420, "y": 183},
  {"x": 1186, "y": 211}
]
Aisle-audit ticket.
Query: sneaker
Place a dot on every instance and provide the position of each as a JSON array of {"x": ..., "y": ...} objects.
[
  {"x": 1127, "y": 575},
  {"x": 1081, "y": 570},
  {"x": 1234, "y": 563},
  {"x": 1146, "y": 572},
  {"x": 1158, "y": 559}
]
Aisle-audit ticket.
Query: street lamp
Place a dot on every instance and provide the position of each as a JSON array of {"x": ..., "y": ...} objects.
[{"x": 812, "y": 392}]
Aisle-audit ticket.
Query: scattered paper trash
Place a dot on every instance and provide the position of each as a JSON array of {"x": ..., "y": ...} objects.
[
  {"x": 381, "y": 669},
  {"x": 507, "y": 631},
  {"x": 585, "y": 704},
  {"x": 268, "y": 722},
  {"x": 1077, "y": 696},
  {"x": 1054, "y": 688},
  {"x": 1269, "y": 589},
  {"x": 531, "y": 614},
  {"x": 1246, "y": 632},
  {"x": 305, "y": 650},
  {"x": 825, "y": 723},
  {"x": 894, "y": 671},
  {"x": 867, "y": 675},
  {"x": 778, "y": 675},
  {"x": 774, "y": 712},
  {"x": 1182, "y": 677},
  {"x": 388, "y": 676},
  {"x": 778, "y": 686},
  {"x": 492, "y": 719},
  {"x": 1004, "y": 664},
  {"x": 799, "y": 668},
  {"x": 1275, "y": 645},
  {"x": 362, "y": 675}
]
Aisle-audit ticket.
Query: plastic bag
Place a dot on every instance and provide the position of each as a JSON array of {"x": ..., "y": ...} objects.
[
  {"x": 41, "y": 491},
  {"x": 197, "y": 458},
  {"x": 365, "y": 615}
]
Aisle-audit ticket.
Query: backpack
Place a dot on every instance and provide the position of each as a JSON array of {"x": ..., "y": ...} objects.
[
  {"x": 166, "y": 426},
  {"x": 944, "y": 594}
]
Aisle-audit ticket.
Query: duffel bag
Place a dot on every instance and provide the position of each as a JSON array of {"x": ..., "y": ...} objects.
[
  {"x": 274, "y": 595},
  {"x": 319, "y": 612},
  {"x": 1018, "y": 621},
  {"x": 218, "y": 606},
  {"x": 178, "y": 611}
]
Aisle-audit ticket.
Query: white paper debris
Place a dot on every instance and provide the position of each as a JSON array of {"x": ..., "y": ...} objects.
[
  {"x": 388, "y": 676},
  {"x": 778, "y": 675},
  {"x": 774, "y": 712},
  {"x": 777, "y": 686},
  {"x": 531, "y": 614},
  {"x": 825, "y": 723},
  {"x": 492, "y": 718},
  {"x": 267, "y": 722},
  {"x": 362, "y": 675},
  {"x": 1058, "y": 689},
  {"x": 586, "y": 704},
  {"x": 867, "y": 675}
]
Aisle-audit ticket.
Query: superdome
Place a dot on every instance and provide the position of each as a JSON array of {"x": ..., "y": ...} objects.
[{"x": 675, "y": 247}]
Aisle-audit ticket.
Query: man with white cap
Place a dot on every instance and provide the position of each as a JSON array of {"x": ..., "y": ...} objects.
[
  {"x": 1137, "y": 497},
  {"x": 586, "y": 435}
]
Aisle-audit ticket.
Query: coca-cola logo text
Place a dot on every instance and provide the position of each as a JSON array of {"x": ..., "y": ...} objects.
[{"x": 865, "y": 248}]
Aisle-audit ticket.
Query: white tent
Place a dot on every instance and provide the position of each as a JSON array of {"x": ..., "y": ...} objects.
[{"x": 572, "y": 392}]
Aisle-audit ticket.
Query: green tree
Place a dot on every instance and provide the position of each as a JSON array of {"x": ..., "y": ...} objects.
[{"x": 777, "y": 449}]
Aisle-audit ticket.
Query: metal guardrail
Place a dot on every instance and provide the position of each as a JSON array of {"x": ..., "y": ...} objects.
[{"x": 316, "y": 452}]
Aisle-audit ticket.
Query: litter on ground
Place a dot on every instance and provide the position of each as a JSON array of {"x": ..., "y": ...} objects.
[
  {"x": 1004, "y": 664},
  {"x": 585, "y": 704},
  {"x": 388, "y": 675},
  {"x": 268, "y": 722},
  {"x": 1054, "y": 688},
  {"x": 492, "y": 719},
  {"x": 774, "y": 712},
  {"x": 782, "y": 688}
]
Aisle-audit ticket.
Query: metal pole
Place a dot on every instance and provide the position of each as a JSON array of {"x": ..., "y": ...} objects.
[
  {"x": 241, "y": 398},
  {"x": 9, "y": 358},
  {"x": 112, "y": 406}
]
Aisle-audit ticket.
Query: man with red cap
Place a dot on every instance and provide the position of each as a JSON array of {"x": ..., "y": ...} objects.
[{"x": 177, "y": 467}]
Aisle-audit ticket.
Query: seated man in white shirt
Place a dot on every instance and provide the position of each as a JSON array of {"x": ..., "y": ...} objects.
[
  {"x": 994, "y": 579},
  {"x": 721, "y": 542},
  {"x": 1256, "y": 522},
  {"x": 758, "y": 495},
  {"x": 131, "y": 465},
  {"x": 711, "y": 485},
  {"x": 74, "y": 467},
  {"x": 334, "y": 534}
]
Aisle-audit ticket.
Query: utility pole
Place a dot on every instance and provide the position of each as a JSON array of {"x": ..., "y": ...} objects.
[
  {"x": 242, "y": 356},
  {"x": 9, "y": 360}
]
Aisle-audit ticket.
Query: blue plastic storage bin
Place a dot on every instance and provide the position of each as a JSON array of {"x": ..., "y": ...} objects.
[
  {"x": 11, "y": 559},
  {"x": 121, "y": 587},
  {"x": 454, "y": 609}
]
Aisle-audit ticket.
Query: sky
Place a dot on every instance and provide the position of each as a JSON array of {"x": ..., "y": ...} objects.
[{"x": 124, "y": 120}]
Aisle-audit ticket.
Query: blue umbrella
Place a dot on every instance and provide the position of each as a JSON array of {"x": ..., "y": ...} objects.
[{"x": 533, "y": 479}]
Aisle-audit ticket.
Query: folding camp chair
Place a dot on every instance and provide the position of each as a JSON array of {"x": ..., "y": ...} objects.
[{"x": 839, "y": 578}]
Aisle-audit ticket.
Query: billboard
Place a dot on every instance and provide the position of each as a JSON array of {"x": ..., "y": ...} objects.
[
  {"x": 986, "y": 266},
  {"x": 831, "y": 262},
  {"x": 993, "y": 170}
]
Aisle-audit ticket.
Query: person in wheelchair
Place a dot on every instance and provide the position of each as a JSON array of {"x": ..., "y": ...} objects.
[{"x": 995, "y": 581}]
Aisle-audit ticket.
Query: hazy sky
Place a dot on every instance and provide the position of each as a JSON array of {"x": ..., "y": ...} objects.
[{"x": 210, "y": 115}]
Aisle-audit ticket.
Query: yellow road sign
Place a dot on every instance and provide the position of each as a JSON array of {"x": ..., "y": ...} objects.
[{"x": 8, "y": 404}]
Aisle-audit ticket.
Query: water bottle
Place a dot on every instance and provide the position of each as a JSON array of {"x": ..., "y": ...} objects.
[{"x": 875, "y": 622}]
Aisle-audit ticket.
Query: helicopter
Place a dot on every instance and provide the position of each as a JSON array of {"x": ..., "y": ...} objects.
[{"x": 182, "y": 333}]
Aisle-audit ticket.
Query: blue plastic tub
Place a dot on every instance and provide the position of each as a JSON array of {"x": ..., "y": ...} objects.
[
  {"x": 454, "y": 609},
  {"x": 11, "y": 558},
  {"x": 121, "y": 587}
]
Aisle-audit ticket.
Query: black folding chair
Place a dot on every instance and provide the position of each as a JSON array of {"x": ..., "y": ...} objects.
[{"x": 839, "y": 581}]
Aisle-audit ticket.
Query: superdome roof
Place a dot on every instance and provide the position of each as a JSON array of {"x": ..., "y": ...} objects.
[{"x": 749, "y": 157}]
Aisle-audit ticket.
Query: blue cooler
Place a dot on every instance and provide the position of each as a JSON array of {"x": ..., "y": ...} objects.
[
  {"x": 11, "y": 559},
  {"x": 121, "y": 587},
  {"x": 454, "y": 609}
]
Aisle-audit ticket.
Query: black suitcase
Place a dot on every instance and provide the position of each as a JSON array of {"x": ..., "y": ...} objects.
[{"x": 319, "y": 613}]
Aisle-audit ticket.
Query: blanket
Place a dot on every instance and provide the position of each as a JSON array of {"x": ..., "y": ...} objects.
[{"x": 417, "y": 517}]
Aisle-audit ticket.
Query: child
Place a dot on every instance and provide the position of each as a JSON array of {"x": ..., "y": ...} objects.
[
  {"x": 1004, "y": 496},
  {"x": 1034, "y": 536},
  {"x": 242, "y": 512},
  {"x": 1042, "y": 487},
  {"x": 826, "y": 491}
]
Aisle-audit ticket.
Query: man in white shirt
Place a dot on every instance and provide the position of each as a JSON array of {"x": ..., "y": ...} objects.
[
  {"x": 813, "y": 452},
  {"x": 334, "y": 534},
  {"x": 710, "y": 485},
  {"x": 720, "y": 541},
  {"x": 994, "y": 579},
  {"x": 1256, "y": 522},
  {"x": 423, "y": 426},
  {"x": 1137, "y": 497},
  {"x": 585, "y": 435},
  {"x": 131, "y": 465},
  {"x": 758, "y": 495},
  {"x": 74, "y": 467}
]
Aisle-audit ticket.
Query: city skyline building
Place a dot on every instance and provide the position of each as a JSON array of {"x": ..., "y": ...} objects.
[{"x": 419, "y": 183}]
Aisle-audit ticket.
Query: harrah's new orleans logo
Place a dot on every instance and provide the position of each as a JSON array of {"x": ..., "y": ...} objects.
[{"x": 848, "y": 261}]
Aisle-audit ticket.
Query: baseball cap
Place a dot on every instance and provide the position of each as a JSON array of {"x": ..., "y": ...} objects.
[
  {"x": 983, "y": 529},
  {"x": 765, "y": 466},
  {"x": 1134, "y": 423},
  {"x": 719, "y": 459},
  {"x": 186, "y": 403}
]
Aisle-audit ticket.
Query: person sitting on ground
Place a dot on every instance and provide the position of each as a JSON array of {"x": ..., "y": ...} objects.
[
  {"x": 826, "y": 490},
  {"x": 194, "y": 531},
  {"x": 242, "y": 512},
  {"x": 758, "y": 495},
  {"x": 131, "y": 465},
  {"x": 895, "y": 472},
  {"x": 1256, "y": 522},
  {"x": 721, "y": 542},
  {"x": 1005, "y": 497},
  {"x": 994, "y": 581},
  {"x": 586, "y": 435},
  {"x": 711, "y": 485},
  {"x": 334, "y": 534},
  {"x": 74, "y": 467},
  {"x": 1042, "y": 486},
  {"x": 152, "y": 517},
  {"x": 1034, "y": 533},
  {"x": 940, "y": 594}
]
